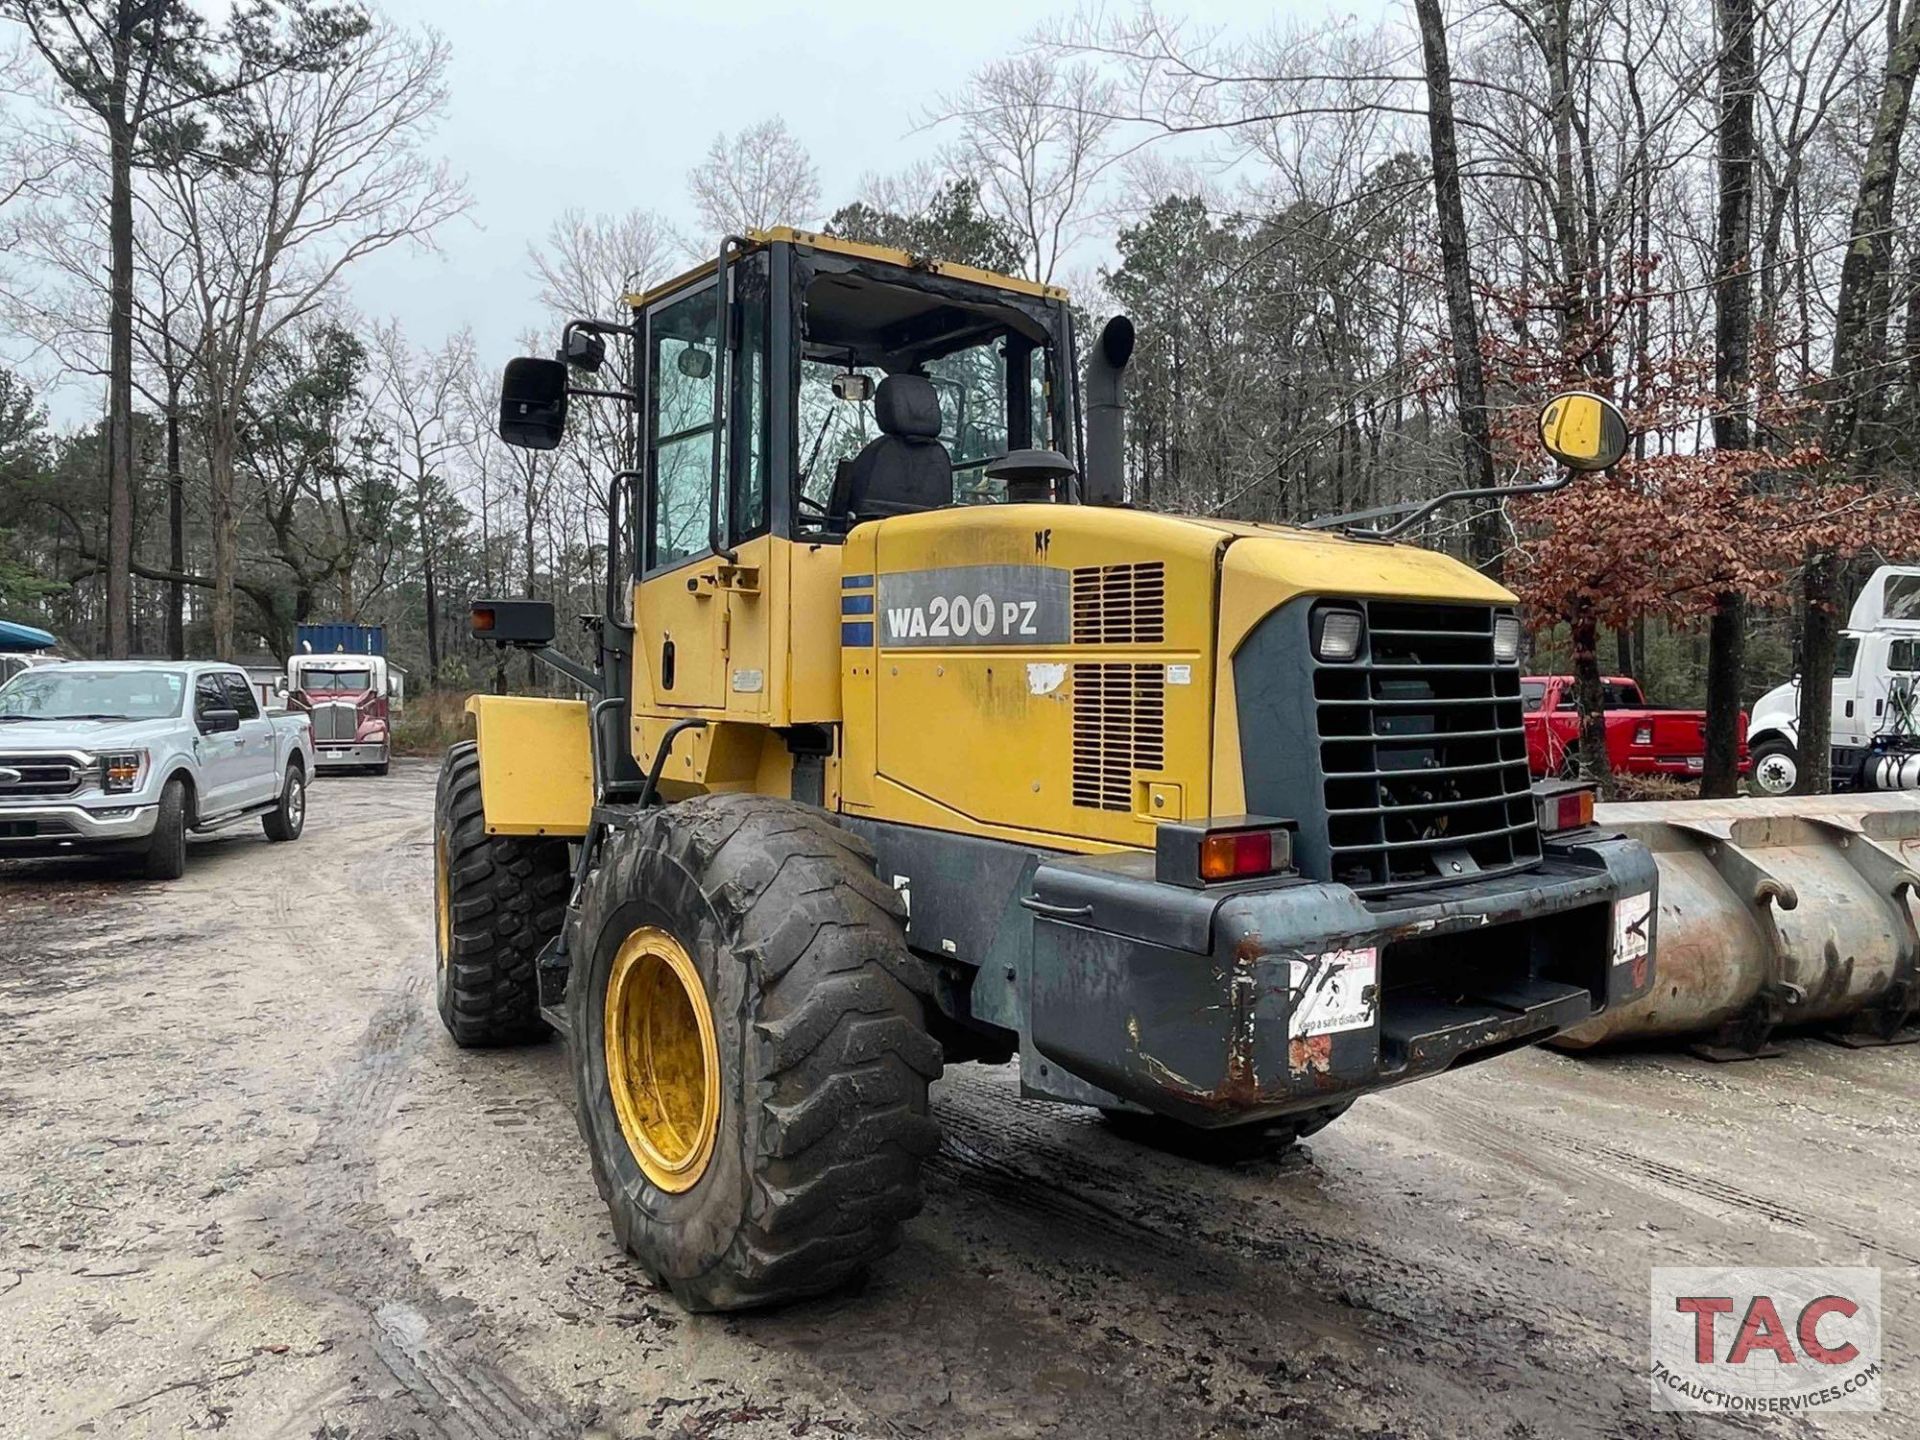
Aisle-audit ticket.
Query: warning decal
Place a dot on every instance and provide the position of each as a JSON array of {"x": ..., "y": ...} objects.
[
  {"x": 1332, "y": 992},
  {"x": 1632, "y": 922}
]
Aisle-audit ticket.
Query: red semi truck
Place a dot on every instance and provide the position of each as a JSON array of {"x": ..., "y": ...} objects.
[
  {"x": 343, "y": 680},
  {"x": 1641, "y": 740}
]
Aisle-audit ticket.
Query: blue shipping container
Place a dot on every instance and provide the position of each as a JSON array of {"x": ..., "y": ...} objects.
[{"x": 336, "y": 636}]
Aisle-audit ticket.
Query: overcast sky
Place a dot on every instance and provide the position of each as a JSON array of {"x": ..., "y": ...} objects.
[{"x": 605, "y": 105}]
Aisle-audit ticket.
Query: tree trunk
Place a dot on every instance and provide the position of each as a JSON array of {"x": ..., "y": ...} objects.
[
  {"x": 1470, "y": 384},
  {"x": 1733, "y": 349},
  {"x": 176, "y": 526},
  {"x": 221, "y": 446},
  {"x": 1852, "y": 390},
  {"x": 1589, "y": 698},
  {"x": 119, "y": 574}
]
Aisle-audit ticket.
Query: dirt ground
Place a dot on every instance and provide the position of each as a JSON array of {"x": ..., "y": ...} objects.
[{"x": 248, "y": 1184}]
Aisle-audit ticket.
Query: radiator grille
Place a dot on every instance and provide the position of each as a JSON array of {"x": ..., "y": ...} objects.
[
  {"x": 1120, "y": 604},
  {"x": 336, "y": 722},
  {"x": 1119, "y": 726},
  {"x": 1423, "y": 751},
  {"x": 41, "y": 776}
]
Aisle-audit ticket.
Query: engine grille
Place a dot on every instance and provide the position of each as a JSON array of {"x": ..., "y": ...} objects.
[
  {"x": 1120, "y": 604},
  {"x": 333, "y": 721},
  {"x": 41, "y": 776},
  {"x": 1119, "y": 726},
  {"x": 1423, "y": 752}
]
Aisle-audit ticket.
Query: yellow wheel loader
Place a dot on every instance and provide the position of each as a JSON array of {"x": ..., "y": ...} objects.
[{"x": 907, "y": 743}]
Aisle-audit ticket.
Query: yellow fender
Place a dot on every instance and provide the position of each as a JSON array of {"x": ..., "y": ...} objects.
[{"x": 536, "y": 764}]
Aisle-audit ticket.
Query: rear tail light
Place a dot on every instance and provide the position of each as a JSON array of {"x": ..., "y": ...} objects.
[
  {"x": 1643, "y": 734},
  {"x": 1242, "y": 854},
  {"x": 1564, "y": 807},
  {"x": 1248, "y": 847}
]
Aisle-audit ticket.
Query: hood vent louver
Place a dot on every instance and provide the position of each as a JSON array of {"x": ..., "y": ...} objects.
[
  {"x": 1120, "y": 604},
  {"x": 1119, "y": 726}
]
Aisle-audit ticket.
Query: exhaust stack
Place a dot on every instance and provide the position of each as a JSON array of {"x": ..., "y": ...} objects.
[{"x": 1107, "y": 413}]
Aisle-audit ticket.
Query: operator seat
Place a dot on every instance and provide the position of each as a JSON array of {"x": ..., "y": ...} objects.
[{"x": 906, "y": 468}]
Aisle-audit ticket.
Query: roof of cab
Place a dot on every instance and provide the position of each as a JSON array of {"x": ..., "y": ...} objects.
[{"x": 859, "y": 250}]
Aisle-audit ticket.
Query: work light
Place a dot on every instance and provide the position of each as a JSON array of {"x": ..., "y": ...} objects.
[
  {"x": 1336, "y": 633},
  {"x": 1506, "y": 638}
]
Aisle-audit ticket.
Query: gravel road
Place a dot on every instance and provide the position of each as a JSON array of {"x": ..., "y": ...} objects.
[{"x": 248, "y": 1184}]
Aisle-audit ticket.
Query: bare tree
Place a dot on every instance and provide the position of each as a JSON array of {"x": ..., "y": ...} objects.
[
  {"x": 1033, "y": 134},
  {"x": 322, "y": 169},
  {"x": 760, "y": 177},
  {"x": 144, "y": 71},
  {"x": 418, "y": 397}
]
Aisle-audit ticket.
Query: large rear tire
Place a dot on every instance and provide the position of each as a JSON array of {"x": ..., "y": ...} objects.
[
  {"x": 498, "y": 900},
  {"x": 750, "y": 1050}
]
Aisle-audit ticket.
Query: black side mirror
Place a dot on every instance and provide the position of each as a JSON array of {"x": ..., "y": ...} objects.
[
  {"x": 585, "y": 350},
  {"x": 525, "y": 623},
  {"x": 533, "y": 402},
  {"x": 219, "y": 722}
]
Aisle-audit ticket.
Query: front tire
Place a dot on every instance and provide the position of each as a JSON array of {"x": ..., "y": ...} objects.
[
  {"x": 166, "y": 857},
  {"x": 750, "y": 1051},
  {"x": 288, "y": 818},
  {"x": 1774, "y": 767},
  {"x": 498, "y": 900}
]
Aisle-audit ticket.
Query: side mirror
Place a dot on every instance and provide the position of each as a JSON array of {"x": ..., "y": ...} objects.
[
  {"x": 1583, "y": 432},
  {"x": 533, "y": 402},
  {"x": 585, "y": 351},
  {"x": 219, "y": 722},
  {"x": 524, "y": 623}
]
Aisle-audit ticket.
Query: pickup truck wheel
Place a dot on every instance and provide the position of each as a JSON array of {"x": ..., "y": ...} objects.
[
  {"x": 1775, "y": 768},
  {"x": 166, "y": 857},
  {"x": 750, "y": 1051},
  {"x": 288, "y": 818},
  {"x": 498, "y": 900},
  {"x": 1234, "y": 1145}
]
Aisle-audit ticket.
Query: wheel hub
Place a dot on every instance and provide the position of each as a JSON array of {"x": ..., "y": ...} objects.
[
  {"x": 1775, "y": 774},
  {"x": 663, "y": 1066}
]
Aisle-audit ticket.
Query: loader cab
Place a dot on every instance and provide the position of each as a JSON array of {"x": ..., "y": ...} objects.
[
  {"x": 779, "y": 401},
  {"x": 856, "y": 383}
]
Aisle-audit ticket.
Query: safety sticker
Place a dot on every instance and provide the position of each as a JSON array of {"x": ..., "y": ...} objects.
[
  {"x": 1632, "y": 922},
  {"x": 1334, "y": 991}
]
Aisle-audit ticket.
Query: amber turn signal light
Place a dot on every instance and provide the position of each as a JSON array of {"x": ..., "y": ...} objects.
[{"x": 1241, "y": 854}]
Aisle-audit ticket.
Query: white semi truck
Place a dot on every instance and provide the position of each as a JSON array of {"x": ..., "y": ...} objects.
[{"x": 1876, "y": 721}]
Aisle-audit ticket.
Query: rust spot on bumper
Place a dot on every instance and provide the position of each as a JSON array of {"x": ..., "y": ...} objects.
[{"x": 1311, "y": 1055}]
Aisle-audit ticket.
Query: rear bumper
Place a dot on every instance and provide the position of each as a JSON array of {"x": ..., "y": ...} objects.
[
  {"x": 56, "y": 829},
  {"x": 328, "y": 755},
  {"x": 1220, "y": 1010}
]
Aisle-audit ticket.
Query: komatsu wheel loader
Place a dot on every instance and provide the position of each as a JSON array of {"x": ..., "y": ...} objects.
[{"x": 907, "y": 744}]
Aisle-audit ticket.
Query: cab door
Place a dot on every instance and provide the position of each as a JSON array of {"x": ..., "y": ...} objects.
[{"x": 699, "y": 627}]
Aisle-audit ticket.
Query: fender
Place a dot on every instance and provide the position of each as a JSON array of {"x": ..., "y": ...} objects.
[{"x": 536, "y": 764}]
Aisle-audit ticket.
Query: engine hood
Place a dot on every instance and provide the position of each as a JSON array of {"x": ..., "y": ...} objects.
[{"x": 32, "y": 735}]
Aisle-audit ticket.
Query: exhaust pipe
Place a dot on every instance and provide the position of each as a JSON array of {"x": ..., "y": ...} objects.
[{"x": 1107, "y": 413}]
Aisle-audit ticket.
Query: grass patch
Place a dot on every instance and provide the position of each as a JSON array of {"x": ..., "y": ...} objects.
[{"x": 432, "y": 722}]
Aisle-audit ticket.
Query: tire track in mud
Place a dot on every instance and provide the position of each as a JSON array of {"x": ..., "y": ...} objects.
[
  {"x": 434, "y": 1347},
  {"x": 1203, "y": 1235},
  {"x": 1575, "y": 1161}
]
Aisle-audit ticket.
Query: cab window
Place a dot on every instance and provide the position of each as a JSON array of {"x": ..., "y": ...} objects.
[
  {"x": 1533, "y": 695},
  {"x": 681, "y": 356},
  {"x": 209, "y": 695},
  {"x": 240, "y": 695},
  {"x": 1844, "y": 655}
]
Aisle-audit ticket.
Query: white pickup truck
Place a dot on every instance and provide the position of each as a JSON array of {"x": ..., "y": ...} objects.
[{"x": 129, "y": 757}]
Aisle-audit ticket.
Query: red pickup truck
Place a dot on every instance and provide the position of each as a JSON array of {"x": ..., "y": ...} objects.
[{"x": 1641, "y": 740}]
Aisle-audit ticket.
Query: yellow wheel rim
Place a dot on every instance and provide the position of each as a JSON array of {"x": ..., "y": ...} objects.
[
  {"x": 442, "y": 900},
  {"x": 662, "y": 1064}
]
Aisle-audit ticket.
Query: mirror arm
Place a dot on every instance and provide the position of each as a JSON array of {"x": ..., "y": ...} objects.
[
  {"x": 1417, "y": 510},
  {"x": 592, "y": 393},
  {"x": 722, "y": 354}
]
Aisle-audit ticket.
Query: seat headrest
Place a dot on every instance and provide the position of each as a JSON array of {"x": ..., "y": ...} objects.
[{"x": 906, "y": 405}]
